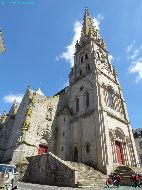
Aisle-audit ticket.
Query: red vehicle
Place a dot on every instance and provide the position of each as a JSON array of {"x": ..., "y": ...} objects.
[{"x": 113, "y": 181}]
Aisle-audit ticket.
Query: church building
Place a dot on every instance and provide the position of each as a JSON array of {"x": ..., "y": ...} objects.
[{"x": 85, "y": 122}]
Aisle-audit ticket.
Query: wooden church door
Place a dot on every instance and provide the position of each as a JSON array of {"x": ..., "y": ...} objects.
[
  {"x": 119, "y": 152},
  {"x": 42, "y": 149}
]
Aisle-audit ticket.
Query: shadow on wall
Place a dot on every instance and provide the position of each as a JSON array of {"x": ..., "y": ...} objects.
[{"x": 49, "y": 169}]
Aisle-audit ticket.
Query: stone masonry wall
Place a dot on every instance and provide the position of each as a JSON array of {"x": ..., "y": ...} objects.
[{"x": 51, "y": 170}]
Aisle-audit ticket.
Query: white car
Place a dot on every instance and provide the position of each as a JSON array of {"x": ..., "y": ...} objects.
[{"x": 9, "y": 175}]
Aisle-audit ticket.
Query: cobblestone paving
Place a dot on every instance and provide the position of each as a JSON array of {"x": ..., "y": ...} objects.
[{"x": 28, "y": 186}]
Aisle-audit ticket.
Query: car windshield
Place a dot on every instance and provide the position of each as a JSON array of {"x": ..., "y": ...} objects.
[
  {"x": 2, "y": 168},
  {"x": 10, "y": 169},
  {"x": 7, "y": 168}
]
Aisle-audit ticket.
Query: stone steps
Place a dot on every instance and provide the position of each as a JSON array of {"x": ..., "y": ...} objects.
[
  {"x": 87, "y": 176},
  {"x": 126, "y": 173}
]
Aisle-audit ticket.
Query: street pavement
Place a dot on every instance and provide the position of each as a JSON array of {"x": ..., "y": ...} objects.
[{"x": 29, "y": 186}]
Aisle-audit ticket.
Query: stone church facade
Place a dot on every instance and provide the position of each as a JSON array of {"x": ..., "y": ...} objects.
[{"x": 85, "y": 122}]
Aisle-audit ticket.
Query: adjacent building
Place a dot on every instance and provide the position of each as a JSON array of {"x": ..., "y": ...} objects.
[
  {"x": 85, "y": 122},
  {"x": 138, "y": 141},
  {"x": 2, "y": 46}
]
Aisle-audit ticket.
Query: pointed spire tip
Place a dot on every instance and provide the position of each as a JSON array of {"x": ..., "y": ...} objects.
[
  {"x": 86, "y": 8},
  {"x": 29, "y": 86}
]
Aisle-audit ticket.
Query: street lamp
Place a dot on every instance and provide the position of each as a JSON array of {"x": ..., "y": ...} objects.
[{"x": 2, "y": 46}]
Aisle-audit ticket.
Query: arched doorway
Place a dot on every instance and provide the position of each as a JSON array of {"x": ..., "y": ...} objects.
[
  {"x": 43, "y": 147},
  {"x": 119, "y": 145},
  {"x": 119, "y": 154},
  {"x": 75, "y": 156}
]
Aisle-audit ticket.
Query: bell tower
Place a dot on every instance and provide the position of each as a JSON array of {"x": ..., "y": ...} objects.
[
  {"x": 89, "y": 47},
  {"x": 100, "y": 119}
]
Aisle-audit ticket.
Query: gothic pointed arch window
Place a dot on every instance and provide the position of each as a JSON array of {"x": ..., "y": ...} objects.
[
  {"x": 80, "y": 72},
  {"x": 110, "y": 100},
  {"x": 81, "y": 59},
  {"x": 87, "y": 67},
  {"x": 86, "y": 56},
  {"x": 77, "y": 105},
  {"x": 87, "y": 148},
  {"x": 87, "y": 99}
]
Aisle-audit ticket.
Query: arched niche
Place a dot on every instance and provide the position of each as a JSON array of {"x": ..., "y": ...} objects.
[{"x": 119, "y": 134}]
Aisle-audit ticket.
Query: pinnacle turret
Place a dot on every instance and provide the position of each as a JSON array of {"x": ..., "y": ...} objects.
[
  {"x": 28, "y": 90},
  {"x": 13, "y": 109}
]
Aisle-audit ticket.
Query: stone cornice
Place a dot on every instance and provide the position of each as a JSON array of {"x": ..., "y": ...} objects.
[
  {"x": 115, "y": 116},
  {"x": 86, "y": 114},
  {"x": 78, "y": 79}
]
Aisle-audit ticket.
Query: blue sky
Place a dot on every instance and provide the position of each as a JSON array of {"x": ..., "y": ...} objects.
[{"x": 39, "y": 37}]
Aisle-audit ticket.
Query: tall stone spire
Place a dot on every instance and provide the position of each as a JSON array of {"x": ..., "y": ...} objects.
[
  {"x": 89, "y": 31},
  {"x": 86, "y": 22},
  {"x": 88, "y": 25}
]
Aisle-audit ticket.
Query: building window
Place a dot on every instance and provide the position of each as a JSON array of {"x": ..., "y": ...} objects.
[
  {"x": 140, "y": 144},
  {"x": 88, "y": 67},
  {"x": 81, "y": 88},
  {"x": 80, "y": 72},
  {"x": 77, "y": 105},
  {"x": 141, "y": 158},
  {"x": 82, "y": 59},
  {"x": 87, "y": 99},
  {"x": 86, "y": 56},
  {"x": 87, "y": 148},
  {"x": 110, "y": 99}
]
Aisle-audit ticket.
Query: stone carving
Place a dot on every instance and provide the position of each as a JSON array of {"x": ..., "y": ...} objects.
[
  {"x": 43, "y": 133},
  {"x": 29, "y": 112},
  {"x": 32, "y": 97},
  {"x": 20, "y": 139},
  {"x": 26, "y": 126},
  {"x": 49, "y": 113}
]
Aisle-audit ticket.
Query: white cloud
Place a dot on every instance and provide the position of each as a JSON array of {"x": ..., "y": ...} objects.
[
  {"x": 97, "y": 21},
  {"x": 11, "y": 97},
  {"x": 130, "y": 47},
  {"x": 111, "y": 58},
  {"x": 135, "y": 55},
  {"x": 68, "y": 55},
  {"x": 136, "y": 67}
]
